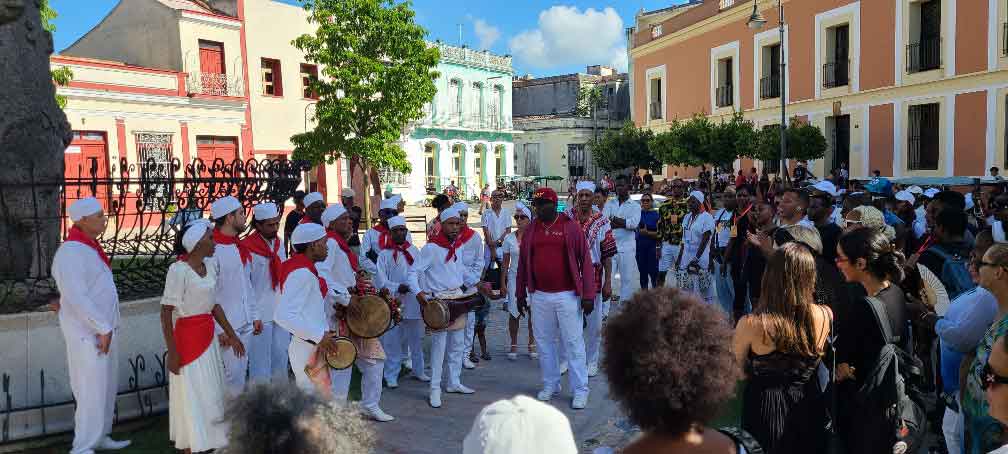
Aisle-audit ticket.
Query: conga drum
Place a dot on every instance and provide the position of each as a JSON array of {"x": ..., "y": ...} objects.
[
  {"x": 346, "y": 354},
  {"x": 440, "y": 313},
  {"x": 368, "y": 316}
]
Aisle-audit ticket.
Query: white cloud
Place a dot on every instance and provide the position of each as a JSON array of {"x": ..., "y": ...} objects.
[
  {"x": 486, "y": 33},
  {"x": 567, "y": 36}
]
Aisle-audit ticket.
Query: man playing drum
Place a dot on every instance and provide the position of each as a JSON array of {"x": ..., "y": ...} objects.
[
  {"x": 556, "y": 275},
  {"x": 470, "y": 247},
  {"x": 341, "y": 270},
  {"x": 397, "y": 263},
  {"x": 441, "y": 272}
]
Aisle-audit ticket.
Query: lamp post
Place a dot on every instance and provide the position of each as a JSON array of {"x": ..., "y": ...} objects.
[{"x": 756, "y": 22}]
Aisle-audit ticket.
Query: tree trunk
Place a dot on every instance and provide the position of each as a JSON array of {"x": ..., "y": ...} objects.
[{"x": 34, "y": 132}]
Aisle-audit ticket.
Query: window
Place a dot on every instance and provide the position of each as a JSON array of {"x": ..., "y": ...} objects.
[
  {"x": 457, "y": 152},
  {"x": 923, "y": 137},
  {"x": 272, "y": 81},
  {"x": 655, "y": 109},
  {"x": 770, "y": 81},
  {"x": 725, "y": 93},
  {"x": 455, "y": 88},
  {"x": 531, "y": 159},
  {"x": 838, "y": 135},
  {"x": 308, "y": 72},
  {"x": 577, "y": 162},
  {"x": 154, "y": 151},
  {"x": 477, "y": 106},
  {"x": 499, "y": 160},
  {"x": 924, "y": 50},
  {"x": 836, "y": 69},
  {"x": 656, "y": 31},
  {"x": 430, "y": 165}
]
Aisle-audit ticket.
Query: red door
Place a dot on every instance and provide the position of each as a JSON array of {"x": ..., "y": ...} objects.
[
  {"x": 212, "y": 69},
  {"x": 211, "y": 148},
  {"x": 86, "y": 163}
]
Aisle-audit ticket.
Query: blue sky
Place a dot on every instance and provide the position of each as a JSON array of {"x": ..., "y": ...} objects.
[{"x": 545, "y": 37}]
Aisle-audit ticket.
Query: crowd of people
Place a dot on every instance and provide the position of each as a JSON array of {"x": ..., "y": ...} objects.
[{"x": 865, "y": 319}]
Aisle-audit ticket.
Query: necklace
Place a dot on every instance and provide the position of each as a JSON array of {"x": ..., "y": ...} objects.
[{"x": 551, "y": 224}]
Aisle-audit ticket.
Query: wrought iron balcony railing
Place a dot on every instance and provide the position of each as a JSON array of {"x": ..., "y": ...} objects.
[
  {"x": 214, "y": 84},
  {"x": 836, "y": 74},
  {"x": 924, "y": 55},
  {"x": 724, "y": 95},
  {"x": 770, "y": 87}
]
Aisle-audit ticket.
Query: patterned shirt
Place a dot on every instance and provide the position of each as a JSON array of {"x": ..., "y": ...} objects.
[
  {"x": 670, "y": 216},
  {"x": 984, "y": 432}
]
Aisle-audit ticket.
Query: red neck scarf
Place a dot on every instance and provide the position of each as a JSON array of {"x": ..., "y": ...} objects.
[
  {"x": 256, "y": 244},
  {"x": 342, "y": 242},
  {"x": 297, "y": 262},
  {"x": 76, "y": 234},
  {"x": 243, "y": 252},
  {"x": 397, "y": 248},
  {"x": 442, "y": 240}
]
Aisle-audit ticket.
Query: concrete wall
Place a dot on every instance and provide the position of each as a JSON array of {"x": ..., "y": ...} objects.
[
  {"x": 137, "y": 32},
  {"x": 554, "y": 95},
  {"x": 552, "y": 137}
]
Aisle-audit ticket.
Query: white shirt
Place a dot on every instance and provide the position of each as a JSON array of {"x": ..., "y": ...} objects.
[
  {"x": 511, "y": 248},
  {"x": 338, "y": 274},
  {"x": 89, "y": 303},
  {"x": 630, "y": 211},
  {"x": 804, "y": 221},
  {"x": 263, "y": 294},
  {"x": 694, "y": 228},
  {"x": 436, "y": 276},
  {"x": 497, "y": 224},
  {"x": 234, "y": 287},
  {"x": 301, "y": 309},
  {"x": 392, "y": 273},
  {"x": 722, "y": 227},
  {"x": 369, "y": 242},
  {"x": 471, "y": 255},
  {"x": 837, "y": 216},
  {"x": 188, "y": 292}
]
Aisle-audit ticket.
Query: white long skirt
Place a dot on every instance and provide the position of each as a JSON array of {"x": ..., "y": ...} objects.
[
  {"x": 512, "y": 296},
  {"x": 196, "y": 405}
]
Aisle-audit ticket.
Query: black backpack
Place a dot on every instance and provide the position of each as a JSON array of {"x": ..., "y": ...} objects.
[{"x": 889, "y": 387}]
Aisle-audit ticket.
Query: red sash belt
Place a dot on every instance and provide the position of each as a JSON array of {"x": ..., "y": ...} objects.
[{"x": 193, "y": 336}]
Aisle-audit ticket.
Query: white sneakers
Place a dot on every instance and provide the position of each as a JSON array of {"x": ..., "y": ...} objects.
[
  {"x": 378, "y": 415},
  {"x": 563, "y": 368},
  {"x": 108, "y": 444},
  {"x": 512, "y": 356},
  {"x": 545, "y": 395},
  {"x": 422, "y": 377},
  {"x": 468, "y": 364},
  {"x": 579, "y": 402},
  {"x": 592, "y": 370},
  {"x": 435, "y": 398},
  {"x": 460, "y": 389},
  {"x": 392, "y": 384}
]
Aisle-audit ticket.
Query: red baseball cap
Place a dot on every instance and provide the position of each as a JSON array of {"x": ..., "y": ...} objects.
[{"x": 545, "y": 194}]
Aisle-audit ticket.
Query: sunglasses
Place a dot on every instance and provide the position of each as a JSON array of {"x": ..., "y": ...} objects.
[
  {"x": 990, "y": 378},
  {"x": 981, "y": 263},
  {"x": 519, "y": 217}
]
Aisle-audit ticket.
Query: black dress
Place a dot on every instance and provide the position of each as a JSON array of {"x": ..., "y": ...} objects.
[{"x": 783, "y": 406}]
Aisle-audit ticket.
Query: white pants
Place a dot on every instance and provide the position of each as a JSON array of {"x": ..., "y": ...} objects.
[
  {"x": 558, "y": 316},
  {"x": 268, "y": 354},
  {"x": 94, "y": 381},
  {"x": 669, "y": 252},
  {"x": 299, "y": 351},
  {"x": 593, "y": 334},
  {"x": 235, "y": 368},
  {"x": 625, "y": 263},
  {"x": 371, "y": 382},
  {"x": 446, "y": 344},
  {"x": 409, "y": 340},
  {"x": 470, "y": 332},
  {"x": 953, "y": 428}
]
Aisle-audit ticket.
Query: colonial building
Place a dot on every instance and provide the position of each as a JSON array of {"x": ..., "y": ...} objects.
[
  {"x": 556, "y": 131},
  {"x": 466, "y": 135},
  {"x": 908, "y": 87}
]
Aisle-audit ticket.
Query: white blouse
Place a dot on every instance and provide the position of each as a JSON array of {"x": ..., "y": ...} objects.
[{"x": 189, "y": 293}]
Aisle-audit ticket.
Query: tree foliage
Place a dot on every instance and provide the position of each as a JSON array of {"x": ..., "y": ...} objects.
[
  {"x": 377, "y": 73},
  {"x": 61, "y": 76},
  {"x": 589, "y": 98},
  {"x": 701, "y": 141},
  {"x": 804, "y": 142},
  {"x": 625, "y": 148}
]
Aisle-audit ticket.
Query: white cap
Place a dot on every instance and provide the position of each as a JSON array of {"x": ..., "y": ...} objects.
[
  {"x": 451, "y": 212},
  {"x": 825, "y": 186},
  {"x": 520, "y": 425},
  {"x": 84, "y": 207},
  {"x": 523, "y": 209},
  {"x": 396, "y": 221},
  {"x": 584, "y": 186},
  {"x": 905, "y": 196},
  {"x": 931, "y": 192},
  {"x": 397, "y": 198},
  {"x": 697, "y": 195},
  {"x": 194, "y": 233},
  {"x": 311, "y": 198},
  {"x": 348, "y": 193},
  {"x": 460, "y": 207},
  {"x": 388, "y": 204},
  {"x": 332, "y": 213},
  {"x": 224, "y": 206},
  {"x": 265, "y": 211},
  {"x": 969, "y": 201},
  {"x": 915, "y": 190},
  {"x": 307, "y": 232}
]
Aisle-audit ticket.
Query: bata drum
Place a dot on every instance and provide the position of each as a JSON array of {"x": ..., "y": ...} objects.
[
  {"x": 369, "y": 316},
  {"x": 439, "y": 313},
  {"x": 346, "y": 354}
]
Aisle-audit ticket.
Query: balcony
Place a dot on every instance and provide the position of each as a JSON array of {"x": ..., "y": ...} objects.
[
  {"x": 214, "y": 84},
  {"x": 924, "y": 55},
  {"x": 656, "y": 111},
  {"x": 724, "y": 96},
  {"x": 836, "y": 74},
  {"x": 386, "y": 176},
  {"x": 725, "y": 4},
  {"x": 770, "y": 87}
]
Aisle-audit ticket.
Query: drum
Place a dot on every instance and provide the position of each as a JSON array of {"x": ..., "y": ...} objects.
[
  {"x": 346, "y": 354},
  {"x": 368, "y": 316},
  {"x": 438, "y": 314}
]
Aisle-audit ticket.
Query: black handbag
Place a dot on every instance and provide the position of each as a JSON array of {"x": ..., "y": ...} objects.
[{"x": 492, "y": 274}]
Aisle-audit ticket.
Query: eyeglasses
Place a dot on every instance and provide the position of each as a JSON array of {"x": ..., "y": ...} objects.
[
  {"x": 519, "y": 217},
  {"x": 981, "y": 263},
  {"x": 990, "y": 378}
]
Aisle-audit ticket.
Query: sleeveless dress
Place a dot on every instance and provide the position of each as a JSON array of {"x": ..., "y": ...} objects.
[{"x": 783, "y": 406}]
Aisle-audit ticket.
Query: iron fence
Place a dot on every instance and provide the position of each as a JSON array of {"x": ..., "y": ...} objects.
[
  {"x": 146, "y": 204},
  {"x": 724, "y": 95},
  {"x": 770, "y": 87},
  {"x": 924, "y": 55},
  {"x": 835, "y": 74}
]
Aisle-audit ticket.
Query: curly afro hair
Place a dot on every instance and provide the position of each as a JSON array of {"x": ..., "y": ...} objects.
[{"x": 669, "y": 361}]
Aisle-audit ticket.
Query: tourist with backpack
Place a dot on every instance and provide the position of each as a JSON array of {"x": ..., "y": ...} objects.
[
  {"x": 984, "y": 433},
  {"x": 948, "y": 252},
  {"x": 872, "y": 350}
]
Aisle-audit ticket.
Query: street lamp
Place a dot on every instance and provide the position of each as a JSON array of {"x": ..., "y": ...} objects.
[{"x": 756, "y": 22}]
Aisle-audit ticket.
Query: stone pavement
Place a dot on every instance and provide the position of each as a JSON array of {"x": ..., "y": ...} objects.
[{"x": 420, "y": 429}]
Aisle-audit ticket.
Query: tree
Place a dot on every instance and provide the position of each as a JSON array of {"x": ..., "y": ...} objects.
[
  {"x": 61, "y": 76},
  {"x": 805, "y": 142},
  {"x": 732, "y": 139},
  {"x": 626, "y": 148},
  {"x": 701, "y": 141},
  {"x": 589, "y": 98},
  {"x": 377, "y": 75}
]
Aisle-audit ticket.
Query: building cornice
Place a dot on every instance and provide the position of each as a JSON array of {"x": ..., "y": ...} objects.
[
  {"x": 235, "y": 105},
  {"x": 210, "y": 19}
]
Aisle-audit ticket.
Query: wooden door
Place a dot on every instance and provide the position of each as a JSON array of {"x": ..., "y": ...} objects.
[
  {"x": 212, "y": 68},
  {"x": 211, "y": 148},
  {"x": 86, "y": 169}
]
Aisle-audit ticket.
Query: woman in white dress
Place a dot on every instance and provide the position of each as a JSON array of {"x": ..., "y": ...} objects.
[
  {"x": 523, "y": 217},
  {"x": 188, "y": 311}
]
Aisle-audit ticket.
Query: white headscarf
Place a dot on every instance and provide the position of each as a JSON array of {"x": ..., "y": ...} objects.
[
  {"x": 585, "y": 186},
  {"x": 194, "y": 233},
  {"x": 523, "y": 209},
  {"x": 697, "y": 195}
]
